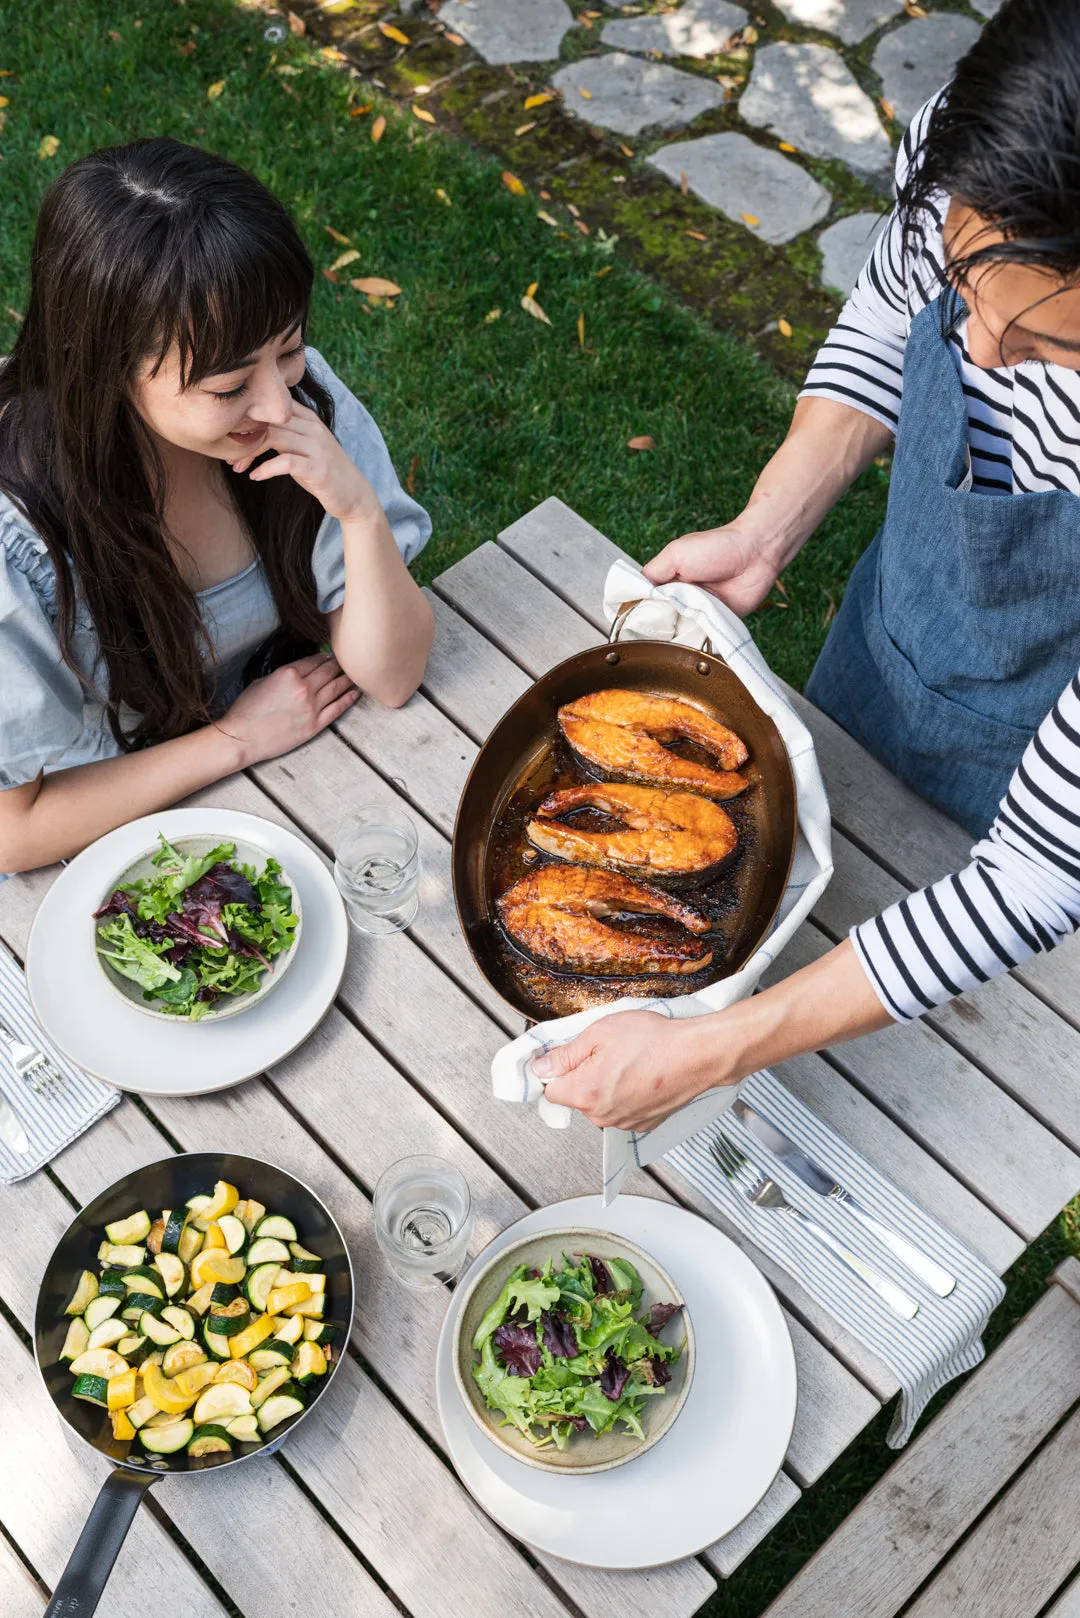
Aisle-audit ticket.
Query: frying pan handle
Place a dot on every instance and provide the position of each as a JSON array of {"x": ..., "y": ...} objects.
[
  {"x": 83, "y": 1580},
  {"x": 618, "y": 623}
]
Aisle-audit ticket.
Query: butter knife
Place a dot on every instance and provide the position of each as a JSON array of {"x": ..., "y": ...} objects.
[
  {"x": 12, "y": 1132},
  {"x": 805, "y": 1169}
]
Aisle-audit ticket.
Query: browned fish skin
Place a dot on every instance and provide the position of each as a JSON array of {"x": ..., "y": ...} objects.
[
  {"x": 664, "y": 834},
  {"x": 557, "y": 914},
  {"x": 622, "y": 733}
]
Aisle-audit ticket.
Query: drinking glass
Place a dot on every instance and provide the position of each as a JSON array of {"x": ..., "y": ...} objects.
[
  {"x": 377, "y": 868},
  {"x": 423, "y": 1220}
]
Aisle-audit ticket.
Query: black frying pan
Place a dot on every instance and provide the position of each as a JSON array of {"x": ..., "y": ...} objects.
[
  {"x": 513, "y": 771},
  {"x": 167, "y": 1184}
]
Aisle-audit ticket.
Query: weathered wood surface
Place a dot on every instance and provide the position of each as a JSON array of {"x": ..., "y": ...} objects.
[{"x": 20, "y": 1594}]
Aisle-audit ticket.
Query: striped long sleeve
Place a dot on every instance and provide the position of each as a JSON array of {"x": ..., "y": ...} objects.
[{"x": 1020, "y": 894}]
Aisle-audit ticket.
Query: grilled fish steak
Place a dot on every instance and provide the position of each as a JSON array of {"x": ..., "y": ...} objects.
[
  {"x": 623, "y": 733},
  {"x": 559, "y": 915},
  {"x": 663, "y": 834}
]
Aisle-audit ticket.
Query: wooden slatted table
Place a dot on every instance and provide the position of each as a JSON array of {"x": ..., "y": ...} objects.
[{"x": 975, "y": 1111}]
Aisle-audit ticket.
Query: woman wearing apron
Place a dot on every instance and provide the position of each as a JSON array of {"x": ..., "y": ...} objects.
[{"x": 954, "y": 655}]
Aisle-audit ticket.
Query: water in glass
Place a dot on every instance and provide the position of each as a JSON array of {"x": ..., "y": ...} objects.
[
  {"x": 377, "y": 868},
  {"x": 423, "y": 1219}
]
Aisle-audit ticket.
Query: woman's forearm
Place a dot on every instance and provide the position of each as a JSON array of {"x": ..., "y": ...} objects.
[
  {"x": 58, "y": 815},
  {"x": 826, "y": 1003},
  {"x": 827, "y": 446},
  {"x": 382, "y": 633}
]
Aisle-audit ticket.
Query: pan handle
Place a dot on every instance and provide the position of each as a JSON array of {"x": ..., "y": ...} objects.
[
  {"x": 619, "y": 621},
  {"x": 83, "y": 1580}
]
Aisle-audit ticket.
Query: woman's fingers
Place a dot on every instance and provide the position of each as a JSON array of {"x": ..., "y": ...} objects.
[
  {"x": 336, "y": 709},
  {"x": 287, "y": 465},
  {"x": 314, "y": 660},
  {"x": 335, "y": 690}
]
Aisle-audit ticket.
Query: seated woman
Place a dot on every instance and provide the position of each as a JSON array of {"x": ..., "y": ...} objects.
[
  {"x": 1020, "y": 895},
  {"x": 192, "y": 504}
]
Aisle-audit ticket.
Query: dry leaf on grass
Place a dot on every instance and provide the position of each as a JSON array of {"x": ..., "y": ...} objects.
[
  {"x": 684, "y": 182},
  {"x": 442, "y": 196},
  {"x": 4, "y": 101},
  {"x": 114, "y": 35},
  {"x": 697, "y": 235},
  {"x": 548, "y": 220},
  {"x": 390, "y": 32},
  {"x": 751, "y": 219},
  {"x": 749, "y": 36},
  {"x": 49, "y": 147},
  {"x": 581, "y": 330},
  {"x": 579, "y": 224},
  {"x": 422, "y": 113},
  {"x": 455, "y": 39},
  {"x": 585, "y": 20},
  {"x": 358, "y": 112},
  {"x": 215, "y": 90},
  {"x": 607, "y": 269},
  {"x": 523, "y": 129},
  {"x": 887, "y": 107},
  {"x": 492, "y": 314},
  {"x": 345, "y": 258},
  {"x": 571, "y": 209},
  {"x": 297, "y": 25},
  {"x": 786, "y": 146},
  {"x": 410, "y": 481},
  {"x": 625, "y": 150},
  {"x": 378, "y": 128},
  {"x": 512, "y": 183},
  {"x": 913, "y": 10},
  {"x": 186, "y": 50},
  {"x": 538, "y": 100},
  {"x": 530, "y": 290},
  {"x": 644, "y": 441},
  {"x": 288, "y": 71},
  {"x": 376, "y": 286},
  {"x": 336, "y": 236},
  {"x": 783, "y": 327},
  {"x": 331, "y": 275},
  {"x": 830, "y": 613},
  {"x": 14, "y": 313},
  {"x": 531, "y": 307},
  {"x": 330, "y": 53}
]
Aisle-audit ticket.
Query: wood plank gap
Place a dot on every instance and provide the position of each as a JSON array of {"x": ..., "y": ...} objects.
[
  {"x": 17, "y": 1326},
  {"x": 596, "y": 619},
  {"x": 486, "y": 630},
  {"x": 351, "y": 1546},
  {"x": 394, "y": 782},
  {"x": 473, "y": 732},
  {"x": 153, "y": 1505},
  {"x": 25, "y": 1562}
]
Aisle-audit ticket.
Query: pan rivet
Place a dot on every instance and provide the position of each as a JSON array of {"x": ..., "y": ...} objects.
[
  {"x": 703, "y": 668},
  {"x": 612, "y": 657}
]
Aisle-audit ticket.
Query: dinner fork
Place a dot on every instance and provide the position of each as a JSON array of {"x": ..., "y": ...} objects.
[
  {"x": 765, "y": 1193},
  {"x": 29, "y": 1062}
]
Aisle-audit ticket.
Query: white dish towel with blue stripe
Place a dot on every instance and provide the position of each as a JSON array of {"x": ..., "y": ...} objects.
[
  {"x": 689, "y": 616},
  {"x": 58, "y": 1112},
  {"x": 945, "y": 1337}
]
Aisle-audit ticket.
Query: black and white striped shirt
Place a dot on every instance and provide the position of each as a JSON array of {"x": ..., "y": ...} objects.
[
  {"x": 1020, "y": 894},
  {"x": 1023, "y": 420}
]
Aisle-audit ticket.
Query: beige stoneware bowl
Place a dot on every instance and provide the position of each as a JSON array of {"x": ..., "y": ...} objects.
[
  {"x": 586, "y": 1453},
  {"x": 231, "y": 1005}
]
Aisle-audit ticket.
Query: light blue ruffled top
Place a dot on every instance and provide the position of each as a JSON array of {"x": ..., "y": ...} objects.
[{"x": 48, "y": 718}]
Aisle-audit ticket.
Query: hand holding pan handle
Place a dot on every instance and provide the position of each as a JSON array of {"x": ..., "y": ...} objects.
[{"x": 91, "y": 1562}]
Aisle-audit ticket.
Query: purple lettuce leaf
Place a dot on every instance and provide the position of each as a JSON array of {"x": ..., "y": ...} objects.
[
  {"x": 655, "y": 1372},
  {"x": 120, "y": 904},
  {"x": 518, "y": 1349},
  {"x": 613, "y": 1377},
  {"x": 202, "y": 904},
  {"x": 601, "y": 1275},
  {"x": 660, "y": 1314},
  {"x": 578, "y": 1423},
  {"x": 243, "y": 946},
  {"x": 233, "y": 886},
  {"x": 558, "y": 1335}
]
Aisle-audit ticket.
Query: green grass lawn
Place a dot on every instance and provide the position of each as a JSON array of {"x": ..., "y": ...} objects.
[
  {"x": 489, "y": 416},
  {"x": 492, "y": 416}
]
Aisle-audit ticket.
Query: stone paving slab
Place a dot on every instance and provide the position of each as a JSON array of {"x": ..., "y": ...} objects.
[
  {"x": 918, "y": 58},
  {"x": 845, "y": 248},
  {"x": 504, "y": 31},
  {"x": 989, "y": 8},
  {"x": 849, "y": 20},
  {"x": 622, "y": 93},
  {"x": 807, "y": 95},
  {"x": 748, "y": 183},
  {"x": 699, "y": 28}
]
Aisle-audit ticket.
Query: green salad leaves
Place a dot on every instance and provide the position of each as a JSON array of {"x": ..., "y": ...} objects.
[
  {"x": 565, "y": 1350},
  {"x": 203, "y": 927}
]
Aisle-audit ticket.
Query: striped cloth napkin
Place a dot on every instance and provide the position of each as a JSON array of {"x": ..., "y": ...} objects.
[
  {"x": 59, "y": 1112},
  {"x": 945, "y": 1337}
]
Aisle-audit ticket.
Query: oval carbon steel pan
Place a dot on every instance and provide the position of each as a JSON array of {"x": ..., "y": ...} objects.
[{"x": 525, "y": 758}]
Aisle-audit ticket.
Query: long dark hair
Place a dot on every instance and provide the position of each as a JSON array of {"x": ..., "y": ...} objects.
[
  {"x": 1005, "y": 140},
  {"x": 139, "y": 247}
]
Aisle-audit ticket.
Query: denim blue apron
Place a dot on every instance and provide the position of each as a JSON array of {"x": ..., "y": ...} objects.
[{"x": 960, "y": 626}]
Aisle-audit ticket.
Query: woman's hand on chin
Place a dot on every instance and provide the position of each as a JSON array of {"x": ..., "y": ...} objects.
[
  {"x": 308, "y": 452},
  {"x": 632, "y": 1069},
  {"x": 288, "y": 707}
]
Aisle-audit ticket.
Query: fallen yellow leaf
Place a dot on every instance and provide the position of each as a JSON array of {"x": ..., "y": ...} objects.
[
  {"x": 455, "y": 39},
  {"x": 4, "y": 101},
  {"x": 289, "y": 72},
  {"x": 523, "y": 129},
  {"x": 587, "y": 94},
  {"x": 492, "y": 314},
  {"x": 697, "y": 235},
  {"x": 336, "y": 236},
  {"x": 512, "y": 183},
  {"x": 548, "y": 220},
  {"x": 572, "y": 208},
  {"x": 751, "y": 220},
  {"x": 297, "y": 25},
  {"x": 49, "y": 147},
  {"x": 531, "y": 307},
  {"x": 585, "y": 20},
  {"x": 345, "y": 258},
  {"x": 376, "y": 286},
  {"x": 538, "y": 100},
  {"x": 423, "y": 114},
  {"x": 625, "y": 150},
  {"x": 786, "y": 146},
  {"x": 378, "y": 127},
  {"x": 14, "y": 313},
  {"x": 913, "y": 10},
  {"x": 684, "y": 181},
  {"x": 887, "y": 108},
  {"x": 114, "y": 35},
  {"x": 749, "y": 35},
  {"x": 642, "y": 442},
  {"x": 530, "y": 290},
  {"x": 579, "y": 224},
  {"x": 607, "y": 269},
  {"x": 215, "y": 90},
  {"x": 330, "y": 53},
  {"x": 581, "y": 330},
  {"x": 545, "y": 196},
  {"x": 388, "y": 29},
  {"x": 783, "y": 327},
  {"x": 186, "y": 50},
  {"x": 331, "y": 275},
  {"x": 358, "y": 112},
  {"x": 442, "y": 196}
]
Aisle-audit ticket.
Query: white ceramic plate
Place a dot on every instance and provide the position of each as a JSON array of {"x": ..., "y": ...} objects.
[
  {"x": 717, "y": 1461},
  {"x": 116, "y": 1042}
]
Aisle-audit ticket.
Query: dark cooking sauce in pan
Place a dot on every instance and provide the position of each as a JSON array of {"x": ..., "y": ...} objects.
[{"x": 723, "y": 897}]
